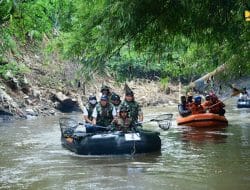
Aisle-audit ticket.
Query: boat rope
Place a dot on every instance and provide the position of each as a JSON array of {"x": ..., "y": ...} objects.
[{"x": 134, "y": 149}]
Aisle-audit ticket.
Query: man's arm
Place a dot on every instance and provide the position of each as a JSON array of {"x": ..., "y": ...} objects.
[
  {"x": 94, "y": 115},
  {"x": 140, "y": 114},
  {"x": 86, "y": 115},
  {"x": 114, "y": 113}
]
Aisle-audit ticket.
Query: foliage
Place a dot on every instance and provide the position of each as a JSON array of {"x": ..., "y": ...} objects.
[
  {"x": 24, "y": 22},
  {"x": 164, "y": 83},
  {"x": 12, "y": 70},
  {"x": 188, "y": 60},
  {"x": 156, "y": 28},
  {"x": 6, "y": 43},
  {"x": 133, "y": 38},
  {"x": 109, "y": 24},
  {"x": 6, "y": 7},
  {"x": 134, "y": 66},
  {"x": 31, "y": 19}
]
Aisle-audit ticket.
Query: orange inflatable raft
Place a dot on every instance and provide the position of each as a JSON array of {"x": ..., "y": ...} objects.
[{"x": 203, "y": 120}]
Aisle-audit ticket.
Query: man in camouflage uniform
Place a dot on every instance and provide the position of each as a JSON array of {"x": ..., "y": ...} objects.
[
  {"x": 123, "y": 122},
  {"x": 104, "y": 113},
  {"x": 88, "y": 109},
  {"x": 115, "y": 100},
  {"x": 135, "y": 111},
  {"x": 105, "y": 90}
]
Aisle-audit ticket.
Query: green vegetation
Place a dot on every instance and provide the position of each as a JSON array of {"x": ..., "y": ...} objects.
[
  {"x": 10, "y": 70},
  {"x": 133, "y": 38}
]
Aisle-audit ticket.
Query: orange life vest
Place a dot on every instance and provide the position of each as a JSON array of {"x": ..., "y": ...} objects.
[
  {"x": 216, "y": 107},
  {"x": 196, "y": 108}
]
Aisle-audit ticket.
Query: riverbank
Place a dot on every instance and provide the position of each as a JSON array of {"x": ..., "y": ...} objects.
[
  {"x": 51, "y": 81},
  {"x": 43, "y": 101}
]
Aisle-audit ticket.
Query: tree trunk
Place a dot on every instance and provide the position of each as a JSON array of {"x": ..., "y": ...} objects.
[{"x": 201, "y": 83}]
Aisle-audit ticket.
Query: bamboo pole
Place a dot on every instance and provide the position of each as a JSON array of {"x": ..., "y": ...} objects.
[{"x": 219, "y": 69}]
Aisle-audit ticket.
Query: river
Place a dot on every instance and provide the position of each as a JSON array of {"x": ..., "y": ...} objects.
[{"x": 32, "y": 158}]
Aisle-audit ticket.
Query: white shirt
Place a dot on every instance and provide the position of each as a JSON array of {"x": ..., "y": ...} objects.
[
  {"x": 85, "y": 111},
  {"x": 94, "y": 114},
  {"x": 243, "y": 96}
]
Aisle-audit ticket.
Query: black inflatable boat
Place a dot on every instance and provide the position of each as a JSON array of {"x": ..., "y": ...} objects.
[{"x": 107, "y": 142}]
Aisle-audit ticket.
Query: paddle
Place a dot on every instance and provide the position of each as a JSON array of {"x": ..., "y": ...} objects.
[
  {"x": 235, "y": 92},
  {"x": 90, "y": 128}
]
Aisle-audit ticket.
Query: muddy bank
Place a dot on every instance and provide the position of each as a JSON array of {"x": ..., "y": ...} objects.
[
  {"x": 45, "y": 101},
  {"x": 52, "y": 83}
]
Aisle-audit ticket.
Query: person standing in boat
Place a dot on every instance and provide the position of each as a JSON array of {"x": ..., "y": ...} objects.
[
  {"x": 183, "y": 107},
  {"x": 115, "y": 100},
  {"x": 123, "y": 122},
  {"x": 135, "y": 111},
  {"x": 105, "y": 90},
  {"x": 88, "y": 109},
  {"x": 104, "y": 112},
  {"x": 196, "y": 107}
]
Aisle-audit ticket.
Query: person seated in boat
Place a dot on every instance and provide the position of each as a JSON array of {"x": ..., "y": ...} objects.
[
  {"x": 88, "y": 109},
  {"x": 196, "y": 107},
  {"x": 207, "y": 103},
  {"x": 189, "y": 100},
  {"x": 135, "y": 111},
  {"x": 244, "y": 94},
  {"x": 104, "y": 113},
  {"x": 123, "y": 122},
  {"x": 115, "y": 100},
  {"x": 216, "y": 106},
  {"x": 183, "y": 107}
]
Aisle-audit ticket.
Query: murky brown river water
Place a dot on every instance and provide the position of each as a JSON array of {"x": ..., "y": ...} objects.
[{"x": 32, "y": 157}]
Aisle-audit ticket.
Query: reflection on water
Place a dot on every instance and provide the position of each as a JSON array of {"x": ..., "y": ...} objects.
[
  {"x": 32, "y": 158},
  {"x": 203, "y": 135}
]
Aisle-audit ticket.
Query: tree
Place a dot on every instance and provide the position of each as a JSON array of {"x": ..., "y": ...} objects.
[{"x": 102, "y": 28}]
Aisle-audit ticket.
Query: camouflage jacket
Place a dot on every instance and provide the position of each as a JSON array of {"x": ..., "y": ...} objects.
[
  {"x": 134, "y": 109},
  {"x": 104, "y": 114},
  {"x": 124, "y": 124}
]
